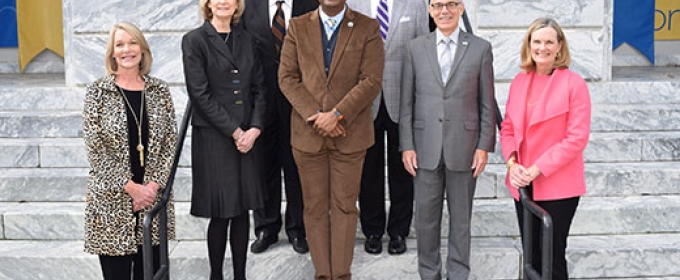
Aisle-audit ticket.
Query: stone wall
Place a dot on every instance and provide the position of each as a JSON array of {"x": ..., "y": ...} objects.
[
  {"x": 87, "y": 23},
  {"x": 587, "y": 24}
]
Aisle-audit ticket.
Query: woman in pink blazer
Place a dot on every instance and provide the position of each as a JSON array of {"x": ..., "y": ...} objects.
[{"x": 546, "y": 129}]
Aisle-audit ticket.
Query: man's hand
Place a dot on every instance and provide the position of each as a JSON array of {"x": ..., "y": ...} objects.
[
  {"x": 479, "y": 162},
  {"x": 327, "y": 124},
  {"x": 339, "y": 131},
  {"x": 410, "y": 161}
]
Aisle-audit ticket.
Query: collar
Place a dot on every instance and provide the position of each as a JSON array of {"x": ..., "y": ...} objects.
[
  {"x": 338, "y": 18},
  {"x": 453, "y": 37},
  {"x": 109, "y": 82},
  {"x": 273, "y": 2}
]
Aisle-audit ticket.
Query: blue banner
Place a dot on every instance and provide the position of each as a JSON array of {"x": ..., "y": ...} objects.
[
  {"x": 8, "y": 24},
  {"x": 634, "y": 24}
]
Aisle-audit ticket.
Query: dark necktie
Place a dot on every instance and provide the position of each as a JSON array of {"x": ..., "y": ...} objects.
[{"x": 278, "y": 27}]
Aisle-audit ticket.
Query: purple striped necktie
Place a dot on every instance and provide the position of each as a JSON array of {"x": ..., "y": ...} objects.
[{"x": 383, "y": 18}]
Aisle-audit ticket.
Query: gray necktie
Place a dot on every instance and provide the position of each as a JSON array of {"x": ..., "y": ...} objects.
[{"x": 445, "y": 60}]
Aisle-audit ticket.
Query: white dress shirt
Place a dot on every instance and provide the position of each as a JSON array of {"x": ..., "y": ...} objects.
[
  {"x": 338, "y": 18},
  {"x": 286, "y": 7},
  {"x": 441, "y": 46}
]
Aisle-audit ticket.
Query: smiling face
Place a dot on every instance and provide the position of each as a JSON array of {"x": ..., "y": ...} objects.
[
  {"x": 223, "y": 9},
  {"x": 127, "y": 52},
  {"x": 446, "y": 14},
  {"x": 544, "y": 47}
]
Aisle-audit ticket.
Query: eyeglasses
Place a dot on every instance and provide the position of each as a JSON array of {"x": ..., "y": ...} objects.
[{"x": 449, "y": 6}]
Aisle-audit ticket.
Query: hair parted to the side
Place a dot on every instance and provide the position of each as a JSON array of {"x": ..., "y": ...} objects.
[
  {"x": 207, "y": 13},
  {"x": 147, "y": 59},
  {"x": 563, "y": 58}
]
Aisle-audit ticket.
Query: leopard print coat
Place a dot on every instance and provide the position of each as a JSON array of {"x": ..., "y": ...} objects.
[{"x": 110, "y": 225}]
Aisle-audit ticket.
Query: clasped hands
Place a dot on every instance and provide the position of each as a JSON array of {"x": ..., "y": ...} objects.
[
  {"x": 327, "y": 124},
  {"x": 521, "y": 176},
  {"x": 245, "y": 140},
  {"x": 142, "y": 195}
]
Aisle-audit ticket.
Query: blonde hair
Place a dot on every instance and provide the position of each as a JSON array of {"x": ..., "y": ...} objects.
[
  {"x": 144, "y": 64},
  {"x": 207, "y": 14},
  {"x": 563, "y": 58}
]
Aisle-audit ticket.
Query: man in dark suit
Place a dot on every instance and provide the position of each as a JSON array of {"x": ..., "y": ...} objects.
[
  {"x": 447, "y": 127},
  {"x": 403, "y": 21},
  {"x": 275, "y": 139},
  {"x": 331, "y": 70}
]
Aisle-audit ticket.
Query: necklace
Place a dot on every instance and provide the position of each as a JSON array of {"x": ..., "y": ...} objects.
[{"x": 138, "y": 121}]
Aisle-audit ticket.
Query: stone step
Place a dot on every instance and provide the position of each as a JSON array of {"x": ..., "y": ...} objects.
[
  {"x": 635, "y": 118},
  {"x": 49, "y": 124},
  {"x": 605, "y": 118},
  {"x": 48, "y": 92},
  {"x": 602, "y": 147},
  {"x": 57, "y": 152},
  {"x": 647, "y": 91},
  {"x": 602, "y": 179},
  {"x": 622, "y": 147},
  {"x": 490, "y": 217},
  {"x": 52, "y": 96},
  {"x": 648, "y": 256}
]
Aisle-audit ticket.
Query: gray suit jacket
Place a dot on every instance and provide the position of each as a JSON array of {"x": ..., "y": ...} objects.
[
  {"x": 408, "y": 20},
  {"x": 454, "y": 116}
]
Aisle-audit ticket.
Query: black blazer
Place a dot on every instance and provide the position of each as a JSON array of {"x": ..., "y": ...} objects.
[
  {"x": 226, "y": 87},
  {"x": 256, "y": 21}
]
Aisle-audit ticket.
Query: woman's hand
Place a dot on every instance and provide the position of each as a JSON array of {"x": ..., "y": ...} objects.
[
  {"x": 521, "y": 176},
  {"x": 518, "y": 175},
  {"x": 245, "y": 143},
  {"x": 142, "y": 195}
]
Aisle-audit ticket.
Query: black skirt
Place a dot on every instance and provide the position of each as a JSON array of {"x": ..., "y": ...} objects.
[{"x": 226, "y": 183}]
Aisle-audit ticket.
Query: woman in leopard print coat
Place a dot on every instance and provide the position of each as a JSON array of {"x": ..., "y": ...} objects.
[{"x": 120, "y": 188}]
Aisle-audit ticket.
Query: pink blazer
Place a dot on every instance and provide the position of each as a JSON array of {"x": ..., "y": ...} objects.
[{"x": 557, "y": 134}]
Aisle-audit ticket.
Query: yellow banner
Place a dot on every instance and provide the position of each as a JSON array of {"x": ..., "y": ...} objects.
[
  {"x": 667, "y": 20},
  {"x": 39, "y": 27}
]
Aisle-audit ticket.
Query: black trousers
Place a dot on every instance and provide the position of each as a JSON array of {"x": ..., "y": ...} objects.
[
  {"x": 562, "y": 212},
  {"x": 372, "y": 195},
  {"x": 278, "y": 156},
  {"x": 129, "y": 266}
]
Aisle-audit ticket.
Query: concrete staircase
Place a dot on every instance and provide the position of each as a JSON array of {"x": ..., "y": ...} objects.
[{"x": 626, "y": 227}]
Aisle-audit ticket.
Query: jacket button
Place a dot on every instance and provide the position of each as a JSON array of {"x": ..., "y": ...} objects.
[
  {"x": 441, "y": 120},
  {"x": 237, "y": 92},
  {"x": 329, "y": 88}
]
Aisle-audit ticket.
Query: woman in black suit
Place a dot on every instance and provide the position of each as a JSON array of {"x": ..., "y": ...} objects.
[{"x": 225, "y": 83}]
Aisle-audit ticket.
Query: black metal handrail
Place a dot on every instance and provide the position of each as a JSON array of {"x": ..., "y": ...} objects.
[
  {"x": 530, "y": 208},
  {"x": 161, "y": 208}
]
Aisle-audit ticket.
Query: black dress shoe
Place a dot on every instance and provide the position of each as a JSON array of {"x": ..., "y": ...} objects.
[
  {"x": 397, "y": 245},
  {"x": 263, "y": 242},
  {"x": 373, "y": 244},
  {"x": 299, "y": 245}
]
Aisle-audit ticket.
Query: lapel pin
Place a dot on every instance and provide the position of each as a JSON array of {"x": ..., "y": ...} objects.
[
  {"x": 465, "y": 43},
  {"x": 350, "y": 24}
]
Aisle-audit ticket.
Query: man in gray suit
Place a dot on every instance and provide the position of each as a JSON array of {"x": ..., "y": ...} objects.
[
  {"x": 446, "y": 130},
  {"x": 401, "y": 21}
]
